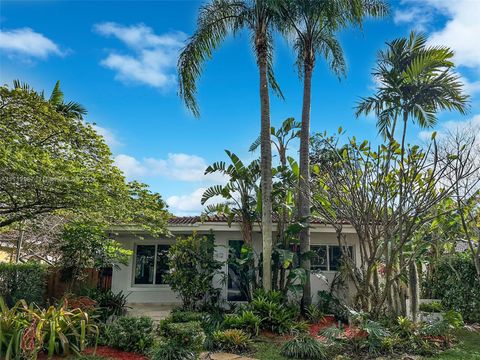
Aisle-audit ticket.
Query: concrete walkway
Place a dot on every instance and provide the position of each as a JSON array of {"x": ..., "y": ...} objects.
[
  {"x": 154, "y": 311},
  {"x": 223, "y": 356}
]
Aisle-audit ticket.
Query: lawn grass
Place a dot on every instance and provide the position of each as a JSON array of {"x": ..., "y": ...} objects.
[
  {"x": 268, "y": 351},
  {"x": 468, "y": 347}
]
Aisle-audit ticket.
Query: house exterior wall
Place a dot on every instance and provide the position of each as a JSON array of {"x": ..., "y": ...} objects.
[{"x": 123, "y": 277}]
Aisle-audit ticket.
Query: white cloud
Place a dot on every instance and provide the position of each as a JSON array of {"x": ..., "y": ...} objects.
[
  {"x": 176, "y": 166},
  {"x": 186, "y": 204},
  {"x": 108, "y": 135},
  {"x": 459, "y": 32},
  {"x": 472, "y": 126},
  {"x": 190, "y": 204},
  {"x": 151, "y": 58},
  {"x": 130, "y": 166},
  {"x": 414, "y": 15},
  {"x": 28, "y": 43}
]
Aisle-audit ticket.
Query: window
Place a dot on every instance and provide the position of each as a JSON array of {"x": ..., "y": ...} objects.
[
  {"x": 328, "y": 257},
  {"x": 320, "y": 259},
  {"x": 151, "y": 264}
]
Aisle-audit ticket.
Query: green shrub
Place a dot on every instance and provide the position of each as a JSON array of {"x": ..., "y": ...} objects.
[
  {"x": 245, "y": 320},
  {"x": 26, "y": 330},
  {"x": 108, "y": 303},
  {"x": 182, "y": 316},
  {"x": 434, "y": 306},
  {"x": 314, "y": 314},
  {"x": 455, "y": 283},
  {"x": 168, "y": 350},
  {"x": 304, "y": 347},
  {"x": 329, "y": 304},
  {"x": 193, "y": 267},
  {"x": 274, "y": 311},
  {"x": 130, "y": 333},
  {"x": 23, "y": 282},
  {"x": 232, "y": 340},
  {"x": 187, "y": 335}
]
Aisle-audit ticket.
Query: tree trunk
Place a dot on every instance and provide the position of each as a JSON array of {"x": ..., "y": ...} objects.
[
  {"x": 413, "y": 289},
  {"x": 265, "y": 164},
  {"x": 304, "y": 183},
  {"x": 19, "y": 245}
]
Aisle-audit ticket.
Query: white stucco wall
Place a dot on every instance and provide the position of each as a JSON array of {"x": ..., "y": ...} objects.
[{"x": 162, "y": 294}]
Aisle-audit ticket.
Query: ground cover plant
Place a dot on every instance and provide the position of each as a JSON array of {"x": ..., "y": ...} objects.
[{"x": 129, "y": 333}]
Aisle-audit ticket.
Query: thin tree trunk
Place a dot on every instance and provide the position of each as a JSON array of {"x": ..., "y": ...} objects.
[
  {"x": 304, "y": 183},
  {"x": 413, "y": 287},
  {"x": 266, "y": 166},
  {"x": 19, "y": 244}
]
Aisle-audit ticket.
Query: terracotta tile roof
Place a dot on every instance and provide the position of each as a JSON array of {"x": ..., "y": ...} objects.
[{"x": 191, "y": 220}]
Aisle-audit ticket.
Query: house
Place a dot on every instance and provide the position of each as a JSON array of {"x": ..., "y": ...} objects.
[{"x": 143, "y": 277}]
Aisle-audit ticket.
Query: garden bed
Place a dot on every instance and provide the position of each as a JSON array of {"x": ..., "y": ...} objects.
[{"x": 111, "y": 353}]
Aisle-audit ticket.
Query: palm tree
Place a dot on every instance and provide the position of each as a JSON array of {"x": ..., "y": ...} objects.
[
  {"x": 313, "y": 25},
  {"x": 416, "y": 82},
  {"x": 215, "y": 21},
  {"x": 72, "y": 109}
]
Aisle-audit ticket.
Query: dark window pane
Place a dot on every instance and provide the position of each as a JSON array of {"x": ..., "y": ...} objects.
[
  {"x": 319, "y": 260},
  {"x": 144, "y": 264},
  {"x": 162, "y": 264},
  {"x": 335, "y": 254},
  {"x": 237, "y": 286}
]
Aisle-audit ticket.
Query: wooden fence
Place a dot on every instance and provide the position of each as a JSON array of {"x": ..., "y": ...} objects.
[{"x": 57, "y": 287}]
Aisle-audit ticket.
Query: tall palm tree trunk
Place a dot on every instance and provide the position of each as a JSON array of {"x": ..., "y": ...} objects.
[
  {"x": 304, "y": 183},
  {"x": 265, "y": 164}
]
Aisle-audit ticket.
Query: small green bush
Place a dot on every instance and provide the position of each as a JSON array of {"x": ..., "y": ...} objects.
[
  {"x": 23, "y": 282},
  {"x": 187, "y": 335},
  {"x": 232, "y": 340},
  {"x": 108, "y": 303},
  {"x": 169, "y": 350},
  {"x": 246, "y": 320},
  {"x": 329, "y": 304},
  {"x": 304, "y": 347},
  {"x": 433, "y": 307},
  {"x": 182, "y": 316},
  {"x": 314, "y": 314},
  {"x": 274, "y": 311},
  {"x": 458, "y": 288},
  {"x": 193, "y": 268},
  {"x": 130, "y": 334}
]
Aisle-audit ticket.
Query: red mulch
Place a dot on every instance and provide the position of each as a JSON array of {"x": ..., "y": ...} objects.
[
  {"x": 329, "y": 321},
  {"x": 111, "y": 353}
]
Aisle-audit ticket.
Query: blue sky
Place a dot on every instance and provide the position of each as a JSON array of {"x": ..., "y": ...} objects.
[{"x": 118, "y": 59}]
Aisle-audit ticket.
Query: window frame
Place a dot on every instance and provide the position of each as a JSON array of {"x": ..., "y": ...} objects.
[
  {"x": 134, "y": 265},
  {"x": 328, "y": 256}
]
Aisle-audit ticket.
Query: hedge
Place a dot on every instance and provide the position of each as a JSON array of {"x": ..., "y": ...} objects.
[
  {"x": 23, "y": 281},
  {"x": 454, "y": 283}
]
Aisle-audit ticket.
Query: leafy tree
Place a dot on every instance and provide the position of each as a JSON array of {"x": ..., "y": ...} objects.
[
  {"x": 70, "y": 109},
  {"x": 361, "y": 186},
  {"x": 193, "y": 269},
  {"x": 215, "y": 21},
  {"x": 86, "y": 245},
  {"x": 51, "y": 161},
  {"x": 313, "y": 25},
  {"x": 416, "y": 82}
]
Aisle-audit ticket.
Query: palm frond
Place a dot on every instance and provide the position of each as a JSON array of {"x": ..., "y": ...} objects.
[{"x": 215, "y": 21}]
